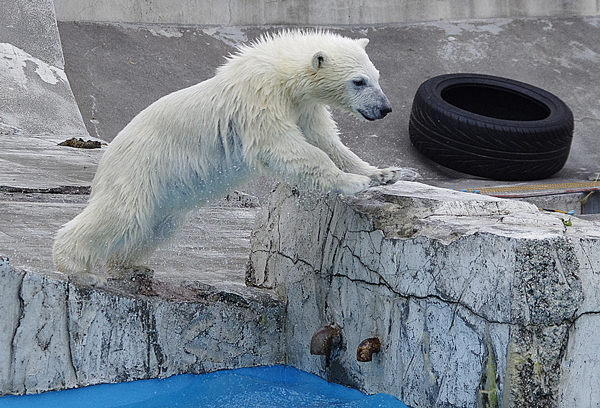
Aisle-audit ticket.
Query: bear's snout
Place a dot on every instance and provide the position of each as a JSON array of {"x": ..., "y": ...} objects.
[
  {"x": 375, "y": 113},
  {"x": 378, "y": 111},
  {"x": 372, "y": 104}
]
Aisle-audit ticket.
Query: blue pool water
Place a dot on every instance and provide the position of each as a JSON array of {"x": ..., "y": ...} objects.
[{"x": 264, "y": 387}]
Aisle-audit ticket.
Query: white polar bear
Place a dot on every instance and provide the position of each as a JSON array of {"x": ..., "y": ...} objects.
[{"x": 267, "y": 107}]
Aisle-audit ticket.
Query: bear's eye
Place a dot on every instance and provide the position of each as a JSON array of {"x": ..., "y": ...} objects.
[{"x": 359, "y": 82}]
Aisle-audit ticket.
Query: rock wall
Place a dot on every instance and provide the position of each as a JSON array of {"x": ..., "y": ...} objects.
[
  {"x": 477, "y": 301},
  {"x": 54, "y": 335}
]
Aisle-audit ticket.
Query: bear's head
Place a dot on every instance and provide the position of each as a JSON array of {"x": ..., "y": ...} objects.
[
  {"x": 347, "y": 79},
  {"x": 310, "y": 67}
]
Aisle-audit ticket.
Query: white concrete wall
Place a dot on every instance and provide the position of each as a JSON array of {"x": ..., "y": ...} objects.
[{"x": 311, "y": 12}]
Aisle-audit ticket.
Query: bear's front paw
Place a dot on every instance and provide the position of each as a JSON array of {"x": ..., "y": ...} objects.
[
  {"x": 392, "y": 174},
  {"x": 352, "y": 183}
]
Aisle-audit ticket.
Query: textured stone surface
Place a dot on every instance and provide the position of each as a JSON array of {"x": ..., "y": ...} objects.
[
  {"x": 54, "y": 335},
  {"x": 473, "y": 298}
]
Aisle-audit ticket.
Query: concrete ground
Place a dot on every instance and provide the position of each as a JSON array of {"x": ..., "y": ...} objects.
[{"x": 114, "y": 71}]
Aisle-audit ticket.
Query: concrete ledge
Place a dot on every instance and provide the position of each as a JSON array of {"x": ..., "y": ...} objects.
[
  {"x": 240, "y": 13},
  {"x": 56, "y": 336},
  {"x": 475, "y": 300}
]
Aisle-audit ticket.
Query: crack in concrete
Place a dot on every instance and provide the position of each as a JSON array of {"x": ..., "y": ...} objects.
[
  {"x": 592, "y": 313},
  {"x": 456, "y": 304},
  {"x": 327, "y": 232},
  {"x": 586, "y": 118},
  {"x": 78, "y": 190},
  {"x": 21, "y": 313},
  {"x": 68, "y": 332},
  {"x": 89, "y": 7},
  {"x": 428, "y": 297},
  {"x": 294, "y": 261},
  {"x": 148, "y": 317},
  {"x": 466, "y": 286}
]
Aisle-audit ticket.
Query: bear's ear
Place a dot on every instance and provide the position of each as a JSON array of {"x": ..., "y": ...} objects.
[
  {"x": 318, "y": 60},
  {"x": 363, "y": 42}
]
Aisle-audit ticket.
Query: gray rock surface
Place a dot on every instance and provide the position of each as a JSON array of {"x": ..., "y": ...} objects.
[
  {"x": 212, "y": 247},
  {"x": 54, "y": 335},
  {"x": 37, "y": 107},
  {"x": 473, "y": 298}
]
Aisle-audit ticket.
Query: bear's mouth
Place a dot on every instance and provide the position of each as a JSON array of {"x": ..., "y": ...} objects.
[{"x": 364, "y": 115}]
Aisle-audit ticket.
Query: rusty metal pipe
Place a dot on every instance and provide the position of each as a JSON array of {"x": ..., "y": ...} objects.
[
  {"x": 367, "y": 348},
  {"x": 325, "y": 339}
]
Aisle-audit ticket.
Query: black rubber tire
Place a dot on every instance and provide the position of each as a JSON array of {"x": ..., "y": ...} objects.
[{"x": 491, "y": 127}]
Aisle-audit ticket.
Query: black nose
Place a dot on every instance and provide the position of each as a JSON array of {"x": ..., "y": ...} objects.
[{"x": 385, "y": 110}]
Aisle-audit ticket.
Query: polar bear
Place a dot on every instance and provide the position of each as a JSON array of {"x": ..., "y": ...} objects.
[{"x": 267, "y": 107}]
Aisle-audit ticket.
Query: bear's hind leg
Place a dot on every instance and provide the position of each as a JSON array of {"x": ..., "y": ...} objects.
[
  {"x": 74, "y": 251},
  {"x": 126, "y": 263}
]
